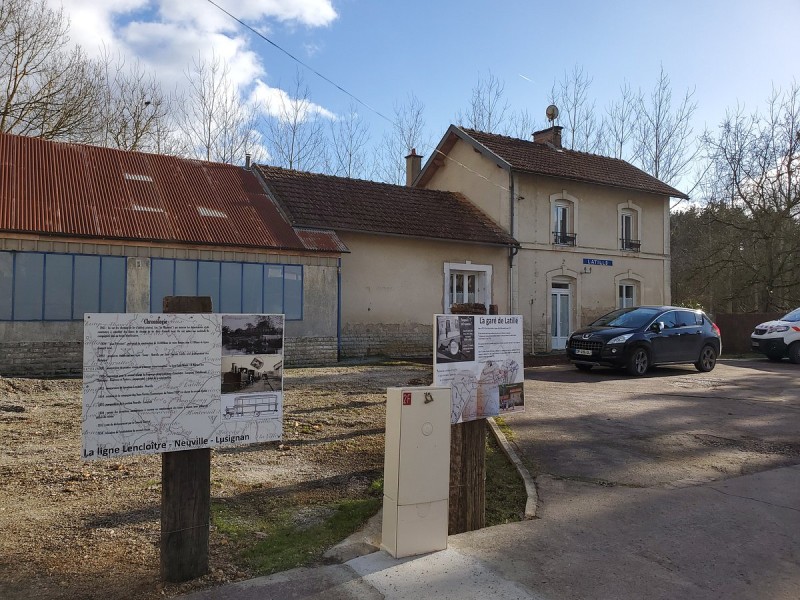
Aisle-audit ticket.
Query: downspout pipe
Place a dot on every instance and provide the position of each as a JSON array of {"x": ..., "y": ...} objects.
[
  {"x": 512, "y": 252},
  {"x": 338, "y": 309}
]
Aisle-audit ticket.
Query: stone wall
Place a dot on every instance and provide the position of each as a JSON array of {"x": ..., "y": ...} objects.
[
  {"x": 310, "y": 352},
  {"x": 396, "y": 340},
  {"x": 41, "y": 359},
  {"x": 65, "y": 358}
]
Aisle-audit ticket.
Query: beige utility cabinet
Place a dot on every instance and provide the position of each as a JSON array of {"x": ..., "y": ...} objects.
[{"x": 416, "y": 472}]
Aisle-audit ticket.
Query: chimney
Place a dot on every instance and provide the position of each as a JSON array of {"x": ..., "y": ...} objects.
[
  {"x": 247, "y": 161},
  {"x": 551, "y": 135},
  {"x": 413, "y": 166}
]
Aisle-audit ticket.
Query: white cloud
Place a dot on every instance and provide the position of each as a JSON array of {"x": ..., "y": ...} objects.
[
  {"x": 92, "y": 22},
  {"x": 276, "y": 102},
  {"x": 170, "y": 49},
  {"x": 167, "y": 36}
]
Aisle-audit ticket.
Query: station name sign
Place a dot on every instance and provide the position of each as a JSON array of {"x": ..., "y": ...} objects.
[{"x": 604, "y": 262}]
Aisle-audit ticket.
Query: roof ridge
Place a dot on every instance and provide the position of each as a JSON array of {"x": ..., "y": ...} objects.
[
  {"x": 539, "y": 144},
  {"x": 536, "y": 157},
  {"x": 355, "y": 179},
  {"x": 99, "y": 148}
]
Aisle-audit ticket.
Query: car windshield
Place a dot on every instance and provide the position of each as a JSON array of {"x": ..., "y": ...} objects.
[
  {"x": 792, "y": 316},
  {"x": 627, "y": 317}
]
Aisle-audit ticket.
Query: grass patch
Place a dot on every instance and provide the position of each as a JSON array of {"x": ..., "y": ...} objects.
[
  {"x": 505, "y": 490},
  {"x": 289, "y": 538},
  {"x": 505, "y": 428}
]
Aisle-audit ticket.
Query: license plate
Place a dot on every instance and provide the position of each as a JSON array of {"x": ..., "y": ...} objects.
[
  {"x": 755, "y": 346},
  {"x": 583, "y": 352}
]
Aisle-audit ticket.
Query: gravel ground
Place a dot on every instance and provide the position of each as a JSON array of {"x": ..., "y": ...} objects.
[{"x": 70, "y": 529}]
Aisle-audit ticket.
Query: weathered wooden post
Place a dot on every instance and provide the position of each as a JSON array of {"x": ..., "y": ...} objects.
[
  {"x": 185, "y": 490},
  {"x": 467, "y": 476},
  {"x": 468, "y": 466}
]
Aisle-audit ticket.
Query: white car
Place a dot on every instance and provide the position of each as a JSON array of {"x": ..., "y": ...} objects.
[{"x": 779, "y": 338}]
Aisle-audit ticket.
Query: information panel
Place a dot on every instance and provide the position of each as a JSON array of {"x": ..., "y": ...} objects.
[
  {"x": 166, "y": 382},
  {"x": 480, "y": 357}
]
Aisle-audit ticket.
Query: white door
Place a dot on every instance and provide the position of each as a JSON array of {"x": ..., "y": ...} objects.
[{"x": 559, "y": 313}]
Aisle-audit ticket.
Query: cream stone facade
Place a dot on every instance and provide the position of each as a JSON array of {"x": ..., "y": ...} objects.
[
  {"x": 392, "y": 286},
  {"x": 585, "y": 248}
]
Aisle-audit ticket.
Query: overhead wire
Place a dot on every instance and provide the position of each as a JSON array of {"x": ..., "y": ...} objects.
[
  {"x": 337, "y": 86},
  {"x": 353, "y": 96},
  {"x": 300, "y": 62}
]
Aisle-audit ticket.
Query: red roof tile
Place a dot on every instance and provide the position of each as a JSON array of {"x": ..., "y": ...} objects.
[
  {"x": 76, "y": 190},
  {"x": 543, "y": 159},
  {"x": 341, "y": 204}
]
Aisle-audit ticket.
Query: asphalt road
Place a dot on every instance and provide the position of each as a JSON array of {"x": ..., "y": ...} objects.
[{"x": 674, "y": 427}]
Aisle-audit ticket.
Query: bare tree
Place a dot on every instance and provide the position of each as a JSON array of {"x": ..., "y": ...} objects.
[
  {"x": 349, "y": 136},
  {"x": 213, "y": 118},
  {"x": 749, "y": 239},
  {"x": 46, "y": 89},
  {"x": 521, "y": 124},
  {"x": 488, "y": 109},
  {"x": 620, "y": 122},
  {"x": 577, "y": 111},
  {"x": 134, "y": 109},
  {"x": 407, "y": 134},
  {"x": 294, "y": 129},
  {"x": 662, "y": 139}
]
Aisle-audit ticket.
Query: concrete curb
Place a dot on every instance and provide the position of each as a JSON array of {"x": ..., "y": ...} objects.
[
  {"x": 368, "y": 539},
  {"x": 530, "y": 484}
]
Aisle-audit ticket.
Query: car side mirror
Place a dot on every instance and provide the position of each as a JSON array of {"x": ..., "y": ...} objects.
[{"x": 658, "y": 326}]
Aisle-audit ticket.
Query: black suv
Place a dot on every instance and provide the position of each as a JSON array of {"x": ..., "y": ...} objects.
[{"x": 638, "y": 337}]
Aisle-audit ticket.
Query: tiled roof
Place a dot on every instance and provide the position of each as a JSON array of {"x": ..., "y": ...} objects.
[
  {"x": 341, "y": 204},
  {"x": 64, "y": 189},
  {"x": 542, "y": 159}
]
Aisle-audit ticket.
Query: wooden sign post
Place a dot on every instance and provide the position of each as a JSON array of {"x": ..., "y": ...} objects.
[
  {"x": 467, "y": 476},
  {"x": 467, "y": 464},
  {"x": 185, "y": 490}
]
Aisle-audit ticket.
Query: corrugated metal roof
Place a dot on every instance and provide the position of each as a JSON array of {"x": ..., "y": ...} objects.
[{"x": 77, "y": 190}]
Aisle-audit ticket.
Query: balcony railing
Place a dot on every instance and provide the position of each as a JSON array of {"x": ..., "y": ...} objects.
[
  {"x": 630, "y": 245},
  {"x": 564, "y": 239}
]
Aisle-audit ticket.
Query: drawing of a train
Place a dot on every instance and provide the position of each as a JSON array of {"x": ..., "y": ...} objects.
[{"x": 254, "y": 405}]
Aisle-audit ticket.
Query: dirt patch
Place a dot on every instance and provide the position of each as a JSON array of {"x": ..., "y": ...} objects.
[{"x": 70, "y": 529}]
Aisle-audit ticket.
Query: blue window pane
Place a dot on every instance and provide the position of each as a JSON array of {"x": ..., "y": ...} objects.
[
  {"x": 162, "y": 277},
  {"x": 186, "y": 278},
  {"x": 293, "y": 291},
  {"x": 86, "y": 286},
  {"x": 208, "y": 282},
  {"x": 273, "y": 290},
  {"x": 6, "y": 284},
  {"x": 252, "y": 283},
  {"x": 112, "y": 290},
  {"x": 28, "y": 284},
  {"x": 231, "y": 288},
  {"x": 58, "y": 287}
]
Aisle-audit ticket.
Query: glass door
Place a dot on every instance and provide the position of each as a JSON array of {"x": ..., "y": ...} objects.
[{"x": 560, "y": 308}]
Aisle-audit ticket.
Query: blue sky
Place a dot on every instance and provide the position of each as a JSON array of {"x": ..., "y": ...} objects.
[{"x": 383, "y": 50}]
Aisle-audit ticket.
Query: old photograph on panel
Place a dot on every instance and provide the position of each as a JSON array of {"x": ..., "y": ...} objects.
[
  {"x": 248, "y": 373},
  {"x": 455, "y": 338},
  {"x": 252, "y": 367},
  {"x": 252, "y": 334}
]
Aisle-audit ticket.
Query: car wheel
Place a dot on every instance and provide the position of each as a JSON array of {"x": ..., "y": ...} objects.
[
  {"x": 638, "y": 362},
  {"x": 582, "y": 367},
  {"x": 794, "y": 353},
  {"x": 453, "y": 347},
  {"x": 707, "y": 360}
]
